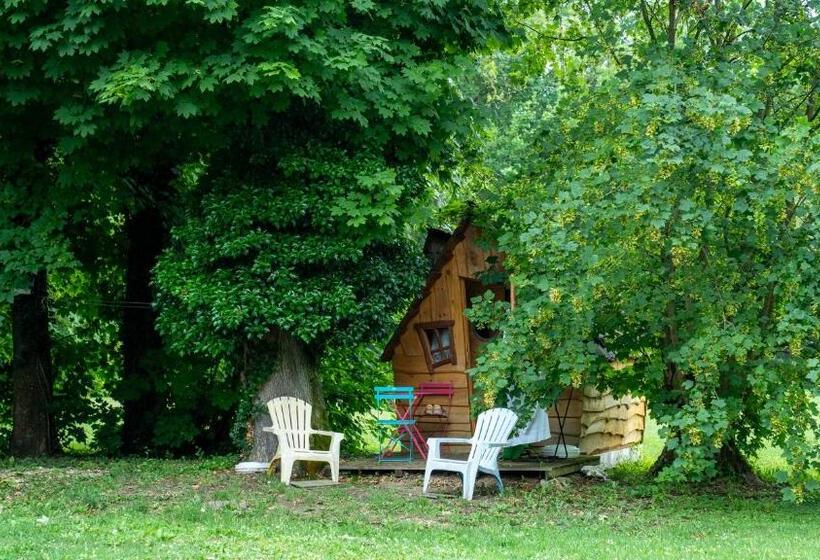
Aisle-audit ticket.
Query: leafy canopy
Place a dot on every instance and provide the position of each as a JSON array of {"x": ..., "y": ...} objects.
[
  {"x": 310, "y": 241},
  {"x": 668, "y": 201},
  {"x": 104, "y": 90}
]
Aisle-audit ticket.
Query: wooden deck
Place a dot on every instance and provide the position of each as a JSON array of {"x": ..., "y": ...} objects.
[{"x": 543, "y": 469}]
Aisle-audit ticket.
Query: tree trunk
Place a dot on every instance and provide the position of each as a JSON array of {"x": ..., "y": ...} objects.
[
  {"x": 33, "y": 430},
  {"x": 294, "y": 373},
  {"x": 664, "y": 460},
  {"x": 146, "y": 235},
  {"x": 730, "y": 463}
]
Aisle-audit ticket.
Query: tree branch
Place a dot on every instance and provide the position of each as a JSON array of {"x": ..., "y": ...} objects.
[
  {"x": 602, "y": 36},
  {"x": 807, "y": 100},
  {"x": 553, "y": 37},
  {"x": 647, "y": 21},
  {"x": 671, "y": 30}
]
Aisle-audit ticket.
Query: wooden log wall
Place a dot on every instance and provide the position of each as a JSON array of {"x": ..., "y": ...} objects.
[{"x": 608, "y": 423}]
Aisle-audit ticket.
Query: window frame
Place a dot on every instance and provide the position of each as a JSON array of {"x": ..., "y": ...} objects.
[{"x": 436, "y": 326}]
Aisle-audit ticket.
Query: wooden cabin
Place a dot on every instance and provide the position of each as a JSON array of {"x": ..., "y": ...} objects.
[{"x": 436, "y": 343}]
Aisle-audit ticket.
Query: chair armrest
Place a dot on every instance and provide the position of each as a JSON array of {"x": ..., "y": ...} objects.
[
  {"x": 329, "y": 434},
  {"x": 495, "y": 443},
  {"x": 335, "y": 437},
  {"x": 308, "y": 432},
  {"x": 462, "y": 440},
  {"x": 434, "y": 444}
]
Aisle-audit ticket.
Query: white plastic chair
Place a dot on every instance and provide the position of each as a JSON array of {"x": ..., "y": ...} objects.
[
  {"x": 291, "y": 426},
  {"x": 492, "y": 432}
]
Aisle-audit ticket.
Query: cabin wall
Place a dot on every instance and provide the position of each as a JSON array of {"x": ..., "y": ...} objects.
[
  {"x": 569, "y": 405},
  {"x": 596, "y": 422},
  {"x": 445, "y": 301}
]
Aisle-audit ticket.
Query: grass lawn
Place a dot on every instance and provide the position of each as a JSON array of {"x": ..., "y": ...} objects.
[{"x": 95, "y": 508}]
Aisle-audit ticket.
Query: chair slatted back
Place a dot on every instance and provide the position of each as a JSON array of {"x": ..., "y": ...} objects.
[
  {"x": 391, "y": 393},
  {"x": 292, "y": 416},
  {"x": 494, "y": 425},
  {"x": 436, "y": 388}
]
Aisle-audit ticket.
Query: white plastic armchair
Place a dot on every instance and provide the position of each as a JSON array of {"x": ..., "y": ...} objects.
[
  {"x": 291, "y": 426},
  {"x": 492, "y": 433}
]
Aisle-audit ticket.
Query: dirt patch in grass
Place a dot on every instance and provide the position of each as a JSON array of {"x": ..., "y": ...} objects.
[{"x": 441, "y": 485}]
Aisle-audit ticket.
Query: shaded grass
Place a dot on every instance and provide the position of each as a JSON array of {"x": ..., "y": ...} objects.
[{"x": 83, "y": 508}]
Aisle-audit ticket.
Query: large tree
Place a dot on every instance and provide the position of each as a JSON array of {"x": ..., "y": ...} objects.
[
  {"x": 31, "y": 242},
  {"x": 666, "y": 199},
  {"x": 295, "y": 240},
  {"x": 284, "y": 255}
]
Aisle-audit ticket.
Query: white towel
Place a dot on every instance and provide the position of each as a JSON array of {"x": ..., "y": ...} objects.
[{"x": 537, "y": 430}]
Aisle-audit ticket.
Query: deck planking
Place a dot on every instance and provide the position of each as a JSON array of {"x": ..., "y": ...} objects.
[{"x": 543, "y": 468}]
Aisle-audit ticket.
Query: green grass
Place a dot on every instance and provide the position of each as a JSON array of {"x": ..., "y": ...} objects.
[{"x": 95, "y": 508}]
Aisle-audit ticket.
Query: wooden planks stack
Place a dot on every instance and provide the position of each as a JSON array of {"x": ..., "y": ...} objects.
[{"x": 608, "y": 423}]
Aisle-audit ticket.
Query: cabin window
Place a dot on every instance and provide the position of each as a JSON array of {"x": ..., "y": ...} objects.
[{"x": 437, "y": 342}]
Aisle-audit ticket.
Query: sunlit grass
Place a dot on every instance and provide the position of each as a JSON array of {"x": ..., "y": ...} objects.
[{"x": 122, "y": 509}]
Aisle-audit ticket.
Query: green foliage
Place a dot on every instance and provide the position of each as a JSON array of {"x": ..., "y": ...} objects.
[
  {"x": 31, "y": 229},
  {"x": 343, "y": 103},
  {"x": 274, "y": 246},
  {"x": 667, "y": 201},
  {"x": 87, "y": 364},
  {"x": 366, "y": 63},
  {"x": 200, "y": 399},
  {"x": 348, "y": 378}
]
